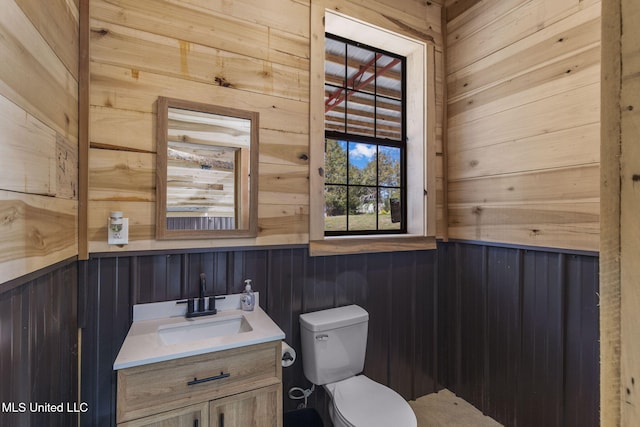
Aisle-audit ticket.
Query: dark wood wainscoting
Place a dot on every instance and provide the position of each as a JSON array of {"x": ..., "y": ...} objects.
[
  {"x": 397, "y": 289},
  {"x": 519, "y": 333},
  {"x": 39, "y": 347}
]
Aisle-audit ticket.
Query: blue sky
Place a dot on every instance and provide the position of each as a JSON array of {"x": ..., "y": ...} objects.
[{"x": 361, "y": 154}]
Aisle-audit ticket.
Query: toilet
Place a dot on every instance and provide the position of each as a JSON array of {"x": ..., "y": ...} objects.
[{"x": 334, "y": 343}]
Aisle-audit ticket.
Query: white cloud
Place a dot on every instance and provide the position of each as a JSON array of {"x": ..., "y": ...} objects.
[{"x": 360, "y": 151}]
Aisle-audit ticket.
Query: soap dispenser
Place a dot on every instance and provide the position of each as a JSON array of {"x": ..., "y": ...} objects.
[{"x": 248, "y": 300}]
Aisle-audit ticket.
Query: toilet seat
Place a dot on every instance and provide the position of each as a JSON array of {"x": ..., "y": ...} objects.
[{"x": 361, "y": 402}]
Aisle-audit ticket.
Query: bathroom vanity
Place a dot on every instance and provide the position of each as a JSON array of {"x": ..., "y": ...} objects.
[{"x": 220, "y": 371}]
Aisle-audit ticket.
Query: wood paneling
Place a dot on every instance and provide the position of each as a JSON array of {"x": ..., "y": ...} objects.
[
  {"x": 32, "y": 75},
  {"x": 30, "y": 148},
  {"x": 629, "y": 231},
  {"x": 39, "y": 132},
  {"x": 551, "y": 44},
  {"x": 58, "y": 25},
  {"x": 611, "y": 401},
  {"x": 580, "y": 147},
  {"x": 39, "y": 346},
  {"x": 516, "y": 24},
  {"x": 243, "y": 54},
  {"x": 236, "y": 55},
  {"x": 120, "y": 45},
  {"x": 121, "y": 175},
  {"x": 523, "y": 114},
  {"x": 548, "y": 224},
  {"x": 519, "y": 333},
  {"x": 397, "y": 289},
  {"x": 193, "y": 24},
  {"x": 568, "y": 110},
  {"x": 36, "y": 231}
]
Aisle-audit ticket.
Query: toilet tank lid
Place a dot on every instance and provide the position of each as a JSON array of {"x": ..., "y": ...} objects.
[{"x": 333, "y": 318}]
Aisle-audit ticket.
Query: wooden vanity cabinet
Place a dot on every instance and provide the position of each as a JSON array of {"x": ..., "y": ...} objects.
[
  {"x": 256, "y": 408},
  {"x": 189, "y": 416},
  {"x": 239, "y": 387}
]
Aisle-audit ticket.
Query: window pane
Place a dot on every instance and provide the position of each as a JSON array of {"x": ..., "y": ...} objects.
[
  {"x": 335, "y": 162},
  {"x": 389, "y": 166},
  {"x": 361, "y": 69},
  {"x": 389, "y": 78},
  {"x": 362, "y": 208},
  {"x": 335, "y": 208},
  {"x": 390, "y": 215},
  {"x": 388, "y": 119},
  {"x": 334, "y": 116},
  {"x": 334, "y": 54},
  {"x": 362, "y": 164},
  {"x": 360, "y": 112}
]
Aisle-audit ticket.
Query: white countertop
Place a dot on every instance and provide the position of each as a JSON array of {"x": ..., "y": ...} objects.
[{"x": 143, "y": 345}]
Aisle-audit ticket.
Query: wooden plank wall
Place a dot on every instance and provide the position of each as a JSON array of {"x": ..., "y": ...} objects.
[
  {"x": 397, "y": 289},
  {"x": 245, "y": 54},
  {"x": 518, "y": 333},
  {"x": 610, "y": 217},
  {"x": 39, "y": 134},
  {"x": 39, "y": 345},
  {"x": 629, "y": 205},
  {"x": 523, "y": 86}
]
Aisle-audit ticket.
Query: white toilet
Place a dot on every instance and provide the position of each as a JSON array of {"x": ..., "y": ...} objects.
[{"x": 334, "y": 343}]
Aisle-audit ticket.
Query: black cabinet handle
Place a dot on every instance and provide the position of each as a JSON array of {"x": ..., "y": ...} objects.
[
  {"x": 221, "y": 420},
  {"x": 204, "y": 380},
  {"x": 196, "y": 423}
]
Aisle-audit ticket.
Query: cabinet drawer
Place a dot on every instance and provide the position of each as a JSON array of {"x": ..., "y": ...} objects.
[{"x": 157, "y": 387}]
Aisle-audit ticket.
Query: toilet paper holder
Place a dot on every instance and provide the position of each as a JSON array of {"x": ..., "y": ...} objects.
[{"x": 288, "y": 355}]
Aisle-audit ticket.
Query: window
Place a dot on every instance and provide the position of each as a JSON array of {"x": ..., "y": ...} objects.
[
  {"x": 346, "y": 132},
  {"x": 365, "y": 149}
]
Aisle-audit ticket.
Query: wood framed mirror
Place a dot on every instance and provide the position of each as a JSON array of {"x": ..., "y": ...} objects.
[{"x": 206, "y": 171}]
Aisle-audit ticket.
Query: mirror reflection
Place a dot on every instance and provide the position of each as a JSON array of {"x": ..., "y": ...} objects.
[{"x": 206, "y": 156}]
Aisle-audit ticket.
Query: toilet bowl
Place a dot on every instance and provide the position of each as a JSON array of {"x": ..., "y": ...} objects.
[
  {"x": 334, "y": 344},
  {"x": 361, "y": 402}
]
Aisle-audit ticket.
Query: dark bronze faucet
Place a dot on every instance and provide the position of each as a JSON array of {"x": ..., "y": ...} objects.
[
  {"x": 201, "y": 298},
  {"x": 199, "y": 306}
]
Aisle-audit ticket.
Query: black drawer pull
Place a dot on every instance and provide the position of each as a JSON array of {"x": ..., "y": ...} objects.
[
  {"x": 221, "y": 423},
  {"x": 204, "y": 380}
]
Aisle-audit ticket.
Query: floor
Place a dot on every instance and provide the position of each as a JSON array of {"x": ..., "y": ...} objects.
[{"x": 445, "y": 409}]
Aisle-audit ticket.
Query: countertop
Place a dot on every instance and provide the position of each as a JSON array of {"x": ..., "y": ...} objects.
[{"x": 143, "y": 345}]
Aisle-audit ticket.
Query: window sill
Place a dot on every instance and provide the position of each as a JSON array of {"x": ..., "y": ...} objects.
[{"x": 344, "y": 245}]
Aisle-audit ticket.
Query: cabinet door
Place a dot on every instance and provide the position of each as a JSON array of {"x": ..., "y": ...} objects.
[
  {"x": 258, "y": 408},
  {"x": 189, "y": 416}
]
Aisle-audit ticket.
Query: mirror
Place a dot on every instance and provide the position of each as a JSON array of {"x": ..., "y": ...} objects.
[{"x": 207, "y": 169}]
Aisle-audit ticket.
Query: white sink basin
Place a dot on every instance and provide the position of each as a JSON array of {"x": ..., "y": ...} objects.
[
  {"x": 202, "y": 329},
  {"x": 160, "y": 332}
]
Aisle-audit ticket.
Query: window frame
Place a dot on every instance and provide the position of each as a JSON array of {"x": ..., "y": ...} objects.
[
  {"x": 355, "y": 138},
  {"x": 421, "y": 136}
]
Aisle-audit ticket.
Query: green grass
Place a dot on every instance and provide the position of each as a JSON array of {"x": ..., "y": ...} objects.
[{"x": 359, "y": 222}]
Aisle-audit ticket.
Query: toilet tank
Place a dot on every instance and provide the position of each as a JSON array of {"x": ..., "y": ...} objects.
[{"x": 334, "y": 343}]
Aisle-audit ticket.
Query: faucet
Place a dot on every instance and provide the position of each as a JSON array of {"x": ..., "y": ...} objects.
[
  {"x": 199, "y": 307},
  {"x": 201, "y": 297}
]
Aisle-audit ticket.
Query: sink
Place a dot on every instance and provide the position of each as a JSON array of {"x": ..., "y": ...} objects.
[
  {"x": 160, "y": 331},
  {"x": 202, "y": 329}
]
